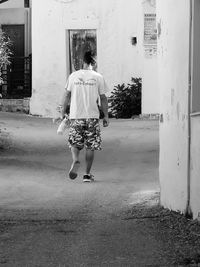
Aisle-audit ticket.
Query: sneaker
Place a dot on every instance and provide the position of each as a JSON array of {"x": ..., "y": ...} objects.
[
  {"x": 73, "y": 171},
  {"x": 88, "y": 178}
]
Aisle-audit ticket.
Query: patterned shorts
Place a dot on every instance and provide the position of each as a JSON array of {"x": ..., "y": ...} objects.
[{"x": 85, "y": 132}]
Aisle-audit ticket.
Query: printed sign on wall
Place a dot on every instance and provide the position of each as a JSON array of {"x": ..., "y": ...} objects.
[{"x": 150, "y": 34}]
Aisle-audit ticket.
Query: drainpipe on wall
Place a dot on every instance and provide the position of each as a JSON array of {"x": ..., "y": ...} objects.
[{"x": 188, "y": 211}]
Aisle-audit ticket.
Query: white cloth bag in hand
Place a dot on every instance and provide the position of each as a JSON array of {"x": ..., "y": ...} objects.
[{"x": 63, "y": 126}]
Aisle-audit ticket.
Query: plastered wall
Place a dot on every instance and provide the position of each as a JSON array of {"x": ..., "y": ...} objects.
[
  {"x": 12, "y": 16},
  {"x": 195, "y": 116},
  {"x": 13, "y": 4},
  {"x": 195, "y": 166},
  {"x": 173, "y": 62}
]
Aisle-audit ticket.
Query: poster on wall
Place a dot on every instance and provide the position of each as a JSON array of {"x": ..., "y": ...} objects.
[{"x": 150, "y": 35}]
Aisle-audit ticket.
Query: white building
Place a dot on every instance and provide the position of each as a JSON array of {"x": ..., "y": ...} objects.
[
  {"x": 116, "y": 30},
  {"x": 179, "y": 80},
  {"x": 123, "y": 36}
]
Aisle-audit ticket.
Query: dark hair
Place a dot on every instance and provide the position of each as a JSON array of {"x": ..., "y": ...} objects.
[{"x": 89, "y": 58}]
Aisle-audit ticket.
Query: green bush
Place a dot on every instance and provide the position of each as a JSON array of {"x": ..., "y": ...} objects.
[{"x": 125, "y": 100}]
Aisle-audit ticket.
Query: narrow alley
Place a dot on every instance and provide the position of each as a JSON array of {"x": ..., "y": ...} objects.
[
  {"x": 50, "y": 220},
  {"x": 47, "y": 220}
]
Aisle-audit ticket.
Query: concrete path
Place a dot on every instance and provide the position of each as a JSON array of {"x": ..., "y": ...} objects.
[{"x": 48, "y": 220}]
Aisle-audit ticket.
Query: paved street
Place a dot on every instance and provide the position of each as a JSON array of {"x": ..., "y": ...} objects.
[{"x": 49, "y": 220}]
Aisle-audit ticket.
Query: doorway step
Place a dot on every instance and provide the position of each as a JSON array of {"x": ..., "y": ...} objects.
[{"x": 15, "y": 105}]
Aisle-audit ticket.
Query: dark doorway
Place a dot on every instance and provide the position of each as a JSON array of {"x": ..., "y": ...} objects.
[
  {"x": 17, "y": 76},
  {"x": 26, "y": 3},
  {"x": 81, "y": 41}
]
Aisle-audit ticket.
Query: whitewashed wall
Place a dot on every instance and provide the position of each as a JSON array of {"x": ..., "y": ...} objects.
[
  {"x": 150, "y": 89},
  {"x": 12, "y": 16},
  {"x": 116, "y": 22},
  {"x": 13, "y": 4},
  {"x": 173, "y": 62},
  {"x": 195, "y": 167},
  {"x": 195, "y": 117}
]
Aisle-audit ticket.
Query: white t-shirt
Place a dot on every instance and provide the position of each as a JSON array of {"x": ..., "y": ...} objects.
[{"x": 85, "y": 86}]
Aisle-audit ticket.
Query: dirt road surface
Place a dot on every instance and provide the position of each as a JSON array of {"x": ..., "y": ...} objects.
[{"x": 48, "y": 220}]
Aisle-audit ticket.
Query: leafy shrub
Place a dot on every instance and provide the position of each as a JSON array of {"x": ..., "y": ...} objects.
[
  {"x": 5, "y": 52},
  {"x": 125, "y": 100}
]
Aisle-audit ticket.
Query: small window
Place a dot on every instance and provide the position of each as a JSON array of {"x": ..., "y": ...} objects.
[{"x": 26, "y": 3}]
